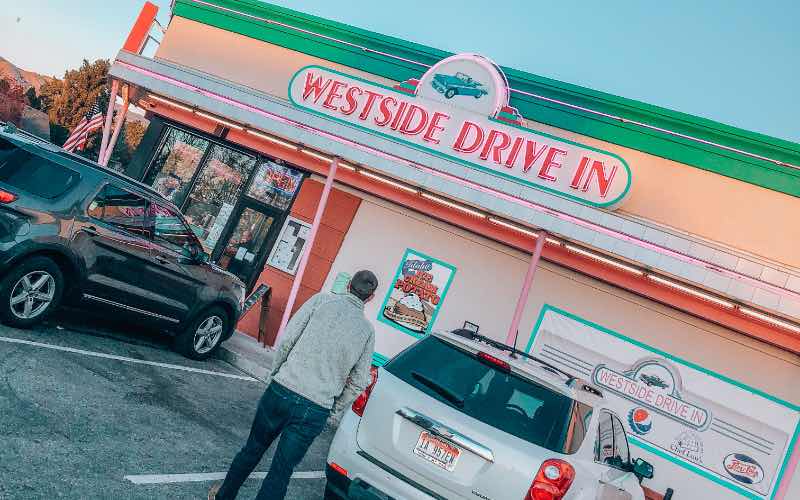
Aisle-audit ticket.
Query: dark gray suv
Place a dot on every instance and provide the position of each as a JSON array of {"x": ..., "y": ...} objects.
[{"x": 70, "y": 229}]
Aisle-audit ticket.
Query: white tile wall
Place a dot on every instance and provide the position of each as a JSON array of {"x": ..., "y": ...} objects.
[
  {"x": 749, "y": 268},
  {"x": 766, "y": 299},
  {"x": 724, "y": 260},
  {"x": 793, "y": 283},
  {"x": 775, "y": 277},
  {"x": 741, "y": 290},
  {"x": 790, "y": 307}
]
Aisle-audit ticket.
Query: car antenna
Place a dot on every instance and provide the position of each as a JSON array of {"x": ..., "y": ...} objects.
[{"x": 514, "y": 349}]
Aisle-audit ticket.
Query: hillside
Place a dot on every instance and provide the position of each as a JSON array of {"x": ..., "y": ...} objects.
[{"x": 23, "y": 77}]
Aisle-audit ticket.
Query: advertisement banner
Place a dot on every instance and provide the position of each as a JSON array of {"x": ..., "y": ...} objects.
[
  {"x": 702, "y": 422},
  {"x": 416, "y": 293}
]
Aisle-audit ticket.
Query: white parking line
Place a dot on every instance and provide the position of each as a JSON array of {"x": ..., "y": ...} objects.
[
  {"x": 123, "y": 358},
  {"x": 209, "y": 476}
]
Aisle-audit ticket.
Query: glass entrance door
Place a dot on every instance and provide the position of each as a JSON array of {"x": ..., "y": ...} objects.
[{"x": 241, "y": 251}]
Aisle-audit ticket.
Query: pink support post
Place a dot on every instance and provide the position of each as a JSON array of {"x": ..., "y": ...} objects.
[
  {"x": 526, "y": 287},
  {"x": 791, "y": 469},
  {"x": 109, "y": 115},
  {"x": 298, "y": 278},
  {"x": 117, "y": 127}
]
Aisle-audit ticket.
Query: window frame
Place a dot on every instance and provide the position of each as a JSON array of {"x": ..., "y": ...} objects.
[
  {"x": 160, "y": 242},
  {"x": 615, "y": 422},
  {"x": 74, "y": 175}
]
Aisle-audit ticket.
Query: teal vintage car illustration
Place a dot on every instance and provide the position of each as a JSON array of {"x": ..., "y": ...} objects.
[{"x": 458, "y": 84}]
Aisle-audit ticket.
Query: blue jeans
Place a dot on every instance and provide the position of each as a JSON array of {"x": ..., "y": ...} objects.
[{"x": 280, "y": 412}]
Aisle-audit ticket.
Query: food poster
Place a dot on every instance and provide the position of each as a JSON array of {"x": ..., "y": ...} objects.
[
  {"x": 711, "y": 431},
  {"x": 416, "y": 293}
]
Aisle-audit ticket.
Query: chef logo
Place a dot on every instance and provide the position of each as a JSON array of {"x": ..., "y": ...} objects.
[
  {"x": 743, "y": 468},
  {"x": 689, "y": 445},
  {"x": 640, "y": 421}
]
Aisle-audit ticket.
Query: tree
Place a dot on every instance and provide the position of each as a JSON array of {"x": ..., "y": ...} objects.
[
  {"x": 133, "y": 134},
  {"x": 12, "y": 100},
  {"x": 33, "y": 100}
]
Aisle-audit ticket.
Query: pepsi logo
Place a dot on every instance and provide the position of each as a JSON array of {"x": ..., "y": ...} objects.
[
  {"x": 743, "y": 468},
  {"x": 640, "y": 420}
]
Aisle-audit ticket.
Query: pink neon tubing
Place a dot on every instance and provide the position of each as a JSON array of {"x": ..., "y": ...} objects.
[
  {"x": 529, "y": 94},
  {"x": 513, "y": 199}
]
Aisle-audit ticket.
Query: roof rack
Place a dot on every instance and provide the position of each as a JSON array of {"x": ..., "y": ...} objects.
[{"x": 468, "y": 334}]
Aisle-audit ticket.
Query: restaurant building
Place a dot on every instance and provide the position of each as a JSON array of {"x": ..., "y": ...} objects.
[{"x": 650, "y": 252}]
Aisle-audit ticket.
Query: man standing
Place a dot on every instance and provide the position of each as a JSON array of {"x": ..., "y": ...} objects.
[{"x": 322, "y": 365}]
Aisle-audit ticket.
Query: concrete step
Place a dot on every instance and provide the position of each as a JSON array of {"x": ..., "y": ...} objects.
[{"x": 245, "y": 353}]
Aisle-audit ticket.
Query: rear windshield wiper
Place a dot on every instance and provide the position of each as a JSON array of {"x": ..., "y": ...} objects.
[{"x": 439, "y": 389}]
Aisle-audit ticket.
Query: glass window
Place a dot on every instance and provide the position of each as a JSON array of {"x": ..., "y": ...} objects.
[
  {"x": 168, "y": 229},
  {"x": 175, "y": 164},
  {"x": 612, "y": 443},
  {"x": 506, "y": 401},
  {"x": 275, "y": 184},
  {"x": 120, "y": 208},
  {"x": 34, "y": 174},
  {"x": 240, "y": 254},
  {"x": 621, "y": 443},
  {"x": 218, "y": 186}
]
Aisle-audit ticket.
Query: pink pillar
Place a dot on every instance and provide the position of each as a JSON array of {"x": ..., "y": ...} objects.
[
  {"x": 526, "y": 288},
  {"x": 791, "y": 469},
  {"x": 109, "y": 115},
  {"x": 117, "y": 128},
  {"x": 301, "y": 268}
]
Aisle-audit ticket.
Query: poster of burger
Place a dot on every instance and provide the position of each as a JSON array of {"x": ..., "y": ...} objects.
[{"x": 416, "y": 293}]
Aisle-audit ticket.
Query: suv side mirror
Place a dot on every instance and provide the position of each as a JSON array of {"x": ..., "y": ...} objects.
[{"x": 642, "y": 469}]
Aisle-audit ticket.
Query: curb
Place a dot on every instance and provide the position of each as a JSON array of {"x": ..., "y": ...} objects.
[{"x": 247, "y": 355}]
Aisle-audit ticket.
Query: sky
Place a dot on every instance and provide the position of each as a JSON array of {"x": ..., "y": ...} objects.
[{"x": 734, "y": 61}]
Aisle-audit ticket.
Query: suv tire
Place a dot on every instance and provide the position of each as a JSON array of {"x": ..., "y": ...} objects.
[
  {"x": 203, "y": 335},
  {"x": 30, "y": 292}
]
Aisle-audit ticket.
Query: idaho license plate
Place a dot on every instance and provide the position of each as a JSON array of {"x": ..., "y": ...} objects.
[{"x": 437, "y": 451}]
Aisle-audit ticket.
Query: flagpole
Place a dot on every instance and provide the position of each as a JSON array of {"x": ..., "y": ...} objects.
[{"x": 109, "y": 114}]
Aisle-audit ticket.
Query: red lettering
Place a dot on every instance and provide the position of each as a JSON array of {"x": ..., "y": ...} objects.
[
  {"x": 576, "y": 180},
  {"x": 598, "y": 171},
  {"x": 511, "y": 159},
  {"x": 550, "y": 162},
  {"x": 350, "y": 97},
  {"x": 371, "y": 97},
  {"x": 495, "y": 149},
  {"x": 434, "y": 127},
  {"x": 423, "y": 121},
  {"x": 462, "y": 137},
  {"x": 386, "y": 113},
  {"x": 531, "y": 154},
  {"x": 315, "y": 86},
  {"x": 399, "y": 115},
  {"x": 333, "y": 95}
]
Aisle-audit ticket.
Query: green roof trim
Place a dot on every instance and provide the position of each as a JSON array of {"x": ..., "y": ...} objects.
[{"x": 728, "y": 163}]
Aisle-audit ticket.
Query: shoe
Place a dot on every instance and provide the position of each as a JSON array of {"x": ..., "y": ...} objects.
[{"x": 212, "y": 493}]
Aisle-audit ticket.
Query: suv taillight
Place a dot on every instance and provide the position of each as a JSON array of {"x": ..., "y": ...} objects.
[
  {"x": 552, "y": 481},
  {"x": 361, "y": 401},
  {"x": 6, "y": 197}
]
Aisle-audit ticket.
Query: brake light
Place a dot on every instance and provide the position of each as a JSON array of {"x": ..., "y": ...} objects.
[
  {"x": 361, "y": 401},
  {"x": 338, "y": 468},
  {"x": 552, "y": 481},
  {"x": 499, "y": 363},
  {"x": 6, "y": 197}
]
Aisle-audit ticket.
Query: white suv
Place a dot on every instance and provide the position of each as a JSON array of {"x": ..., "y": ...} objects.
[{"x": 458, "y": 415}]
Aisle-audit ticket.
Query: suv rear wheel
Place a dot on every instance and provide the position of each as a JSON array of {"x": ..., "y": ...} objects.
[
  {"x": 30, "y": 292},
  {"x": 203, "y": 335}
]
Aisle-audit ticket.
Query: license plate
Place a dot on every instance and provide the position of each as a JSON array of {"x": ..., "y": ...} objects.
[{"x": 437, "y": 451}]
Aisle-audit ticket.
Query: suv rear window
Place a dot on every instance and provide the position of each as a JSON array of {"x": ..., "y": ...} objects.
[
  {"x": 34, "y": 174},
  {"x": 506, "y": 401}
]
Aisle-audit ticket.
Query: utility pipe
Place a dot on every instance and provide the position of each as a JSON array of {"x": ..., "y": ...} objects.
[
  {"x": 109, "y": 115},
  {"x": 298, "y": 278},
  {"x": 117, "y": 125},
  {"x": 526, "y": 287}
]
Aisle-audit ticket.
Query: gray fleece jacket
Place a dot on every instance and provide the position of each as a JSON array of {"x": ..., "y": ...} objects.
[{"x": 326, "y": 352}]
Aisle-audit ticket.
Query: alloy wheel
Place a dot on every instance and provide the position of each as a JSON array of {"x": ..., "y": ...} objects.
[
  {"x": 32, "y": 294},
  {"x": 207, "y": 335}
]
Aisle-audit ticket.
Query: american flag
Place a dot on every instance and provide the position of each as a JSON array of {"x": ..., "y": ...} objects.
[{"x": 91, "y": 121}]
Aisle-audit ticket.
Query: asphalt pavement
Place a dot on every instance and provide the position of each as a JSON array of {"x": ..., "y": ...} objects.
[{"x": 90, "y": 408}]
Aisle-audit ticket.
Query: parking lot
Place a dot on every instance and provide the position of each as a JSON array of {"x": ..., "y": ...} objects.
[{"x": 92, "y": 409}]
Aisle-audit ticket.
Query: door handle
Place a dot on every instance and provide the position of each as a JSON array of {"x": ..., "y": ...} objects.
[
  {"x": 90, "y": 230},
  {"x": 161, "y": 260}
]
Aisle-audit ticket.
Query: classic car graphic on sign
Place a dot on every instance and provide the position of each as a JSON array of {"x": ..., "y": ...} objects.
[{"x": 458, "y": 84}]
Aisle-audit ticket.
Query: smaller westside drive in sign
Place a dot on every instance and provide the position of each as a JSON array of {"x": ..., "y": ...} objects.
[{"x": 416, "y": 293}]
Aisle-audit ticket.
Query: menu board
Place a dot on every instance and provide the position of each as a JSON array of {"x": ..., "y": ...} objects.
[
  {"x": 416, "y": 293},
  {"x": 287, "y": 252},
  {"x": 700, "y": 422}
]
